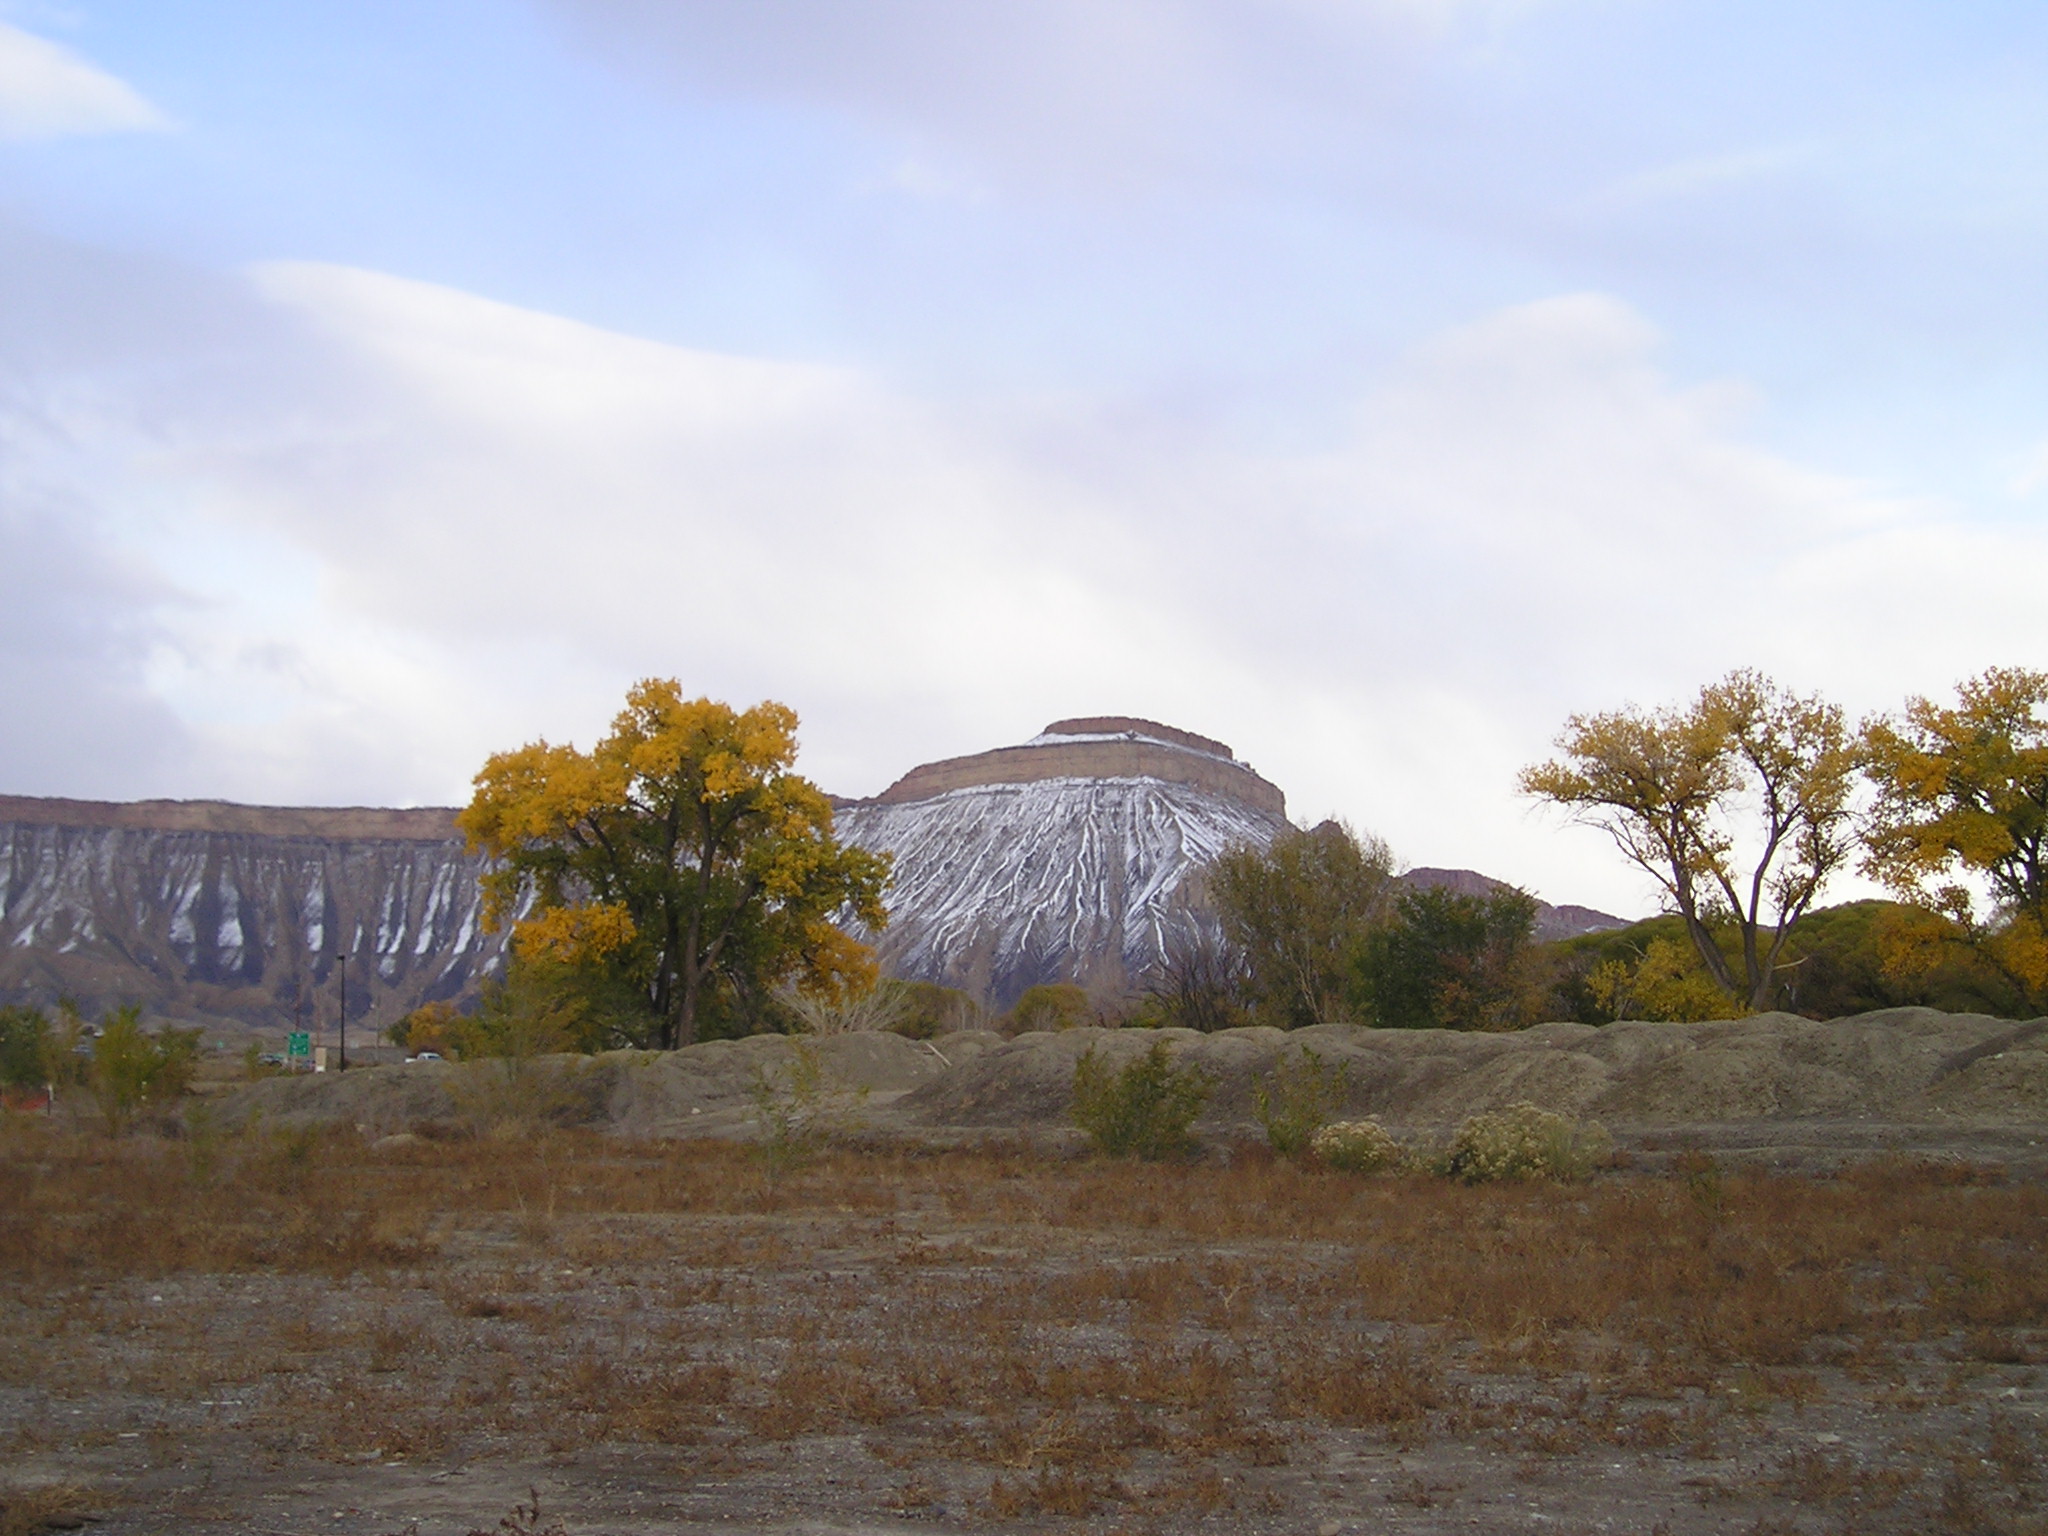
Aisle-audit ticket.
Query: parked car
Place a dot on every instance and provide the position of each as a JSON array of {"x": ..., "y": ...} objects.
[{"x": 423, "y": 1056}]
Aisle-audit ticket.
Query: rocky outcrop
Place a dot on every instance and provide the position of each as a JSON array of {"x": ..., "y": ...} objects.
[{"x": 1105, "y": 747}]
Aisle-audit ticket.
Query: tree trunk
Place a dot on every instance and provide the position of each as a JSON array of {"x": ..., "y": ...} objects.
[
  {"x": 1702, "y": 938},
  {"x": 686, "y": 1020}
]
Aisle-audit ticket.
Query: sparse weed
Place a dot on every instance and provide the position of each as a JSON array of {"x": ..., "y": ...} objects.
[
  {"x": 524, "y": 1520},
  {"x": 1158, "y": 1332},
  {"x": 798, "y": 1110}
]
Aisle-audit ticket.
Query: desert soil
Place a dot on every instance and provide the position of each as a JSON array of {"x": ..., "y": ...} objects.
[{"x": 1810, "y": 1296}]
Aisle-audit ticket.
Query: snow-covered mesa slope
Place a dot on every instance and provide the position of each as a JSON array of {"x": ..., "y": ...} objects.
[{"x": 1070, "y": 858}]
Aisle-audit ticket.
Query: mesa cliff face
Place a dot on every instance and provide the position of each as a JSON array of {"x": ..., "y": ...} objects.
[
  {"x": 225, "y": 913},
  {"x": 1068, "y": 858}
]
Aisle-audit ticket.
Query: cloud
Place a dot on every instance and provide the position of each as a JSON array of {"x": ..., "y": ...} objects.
[
  {"x": 77, "y": 627},
  {"x": 1075, "y": 95},
  {"x": 2032, "y": 475},
  {"x": 373, "y": 529},
  {"x": 48, "y": 92},
  {"x": 1703, "y": 174}
]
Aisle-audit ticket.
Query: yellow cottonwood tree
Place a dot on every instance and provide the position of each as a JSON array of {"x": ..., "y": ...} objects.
[
  {"x": 1737, "y": 804},
  {"x": 682, "y": 852},
  {"x": 1963, "y": 800}
]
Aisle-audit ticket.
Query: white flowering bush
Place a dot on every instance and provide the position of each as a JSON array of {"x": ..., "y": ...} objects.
[
  {"x": 1357, "y": 1146},
  {"x": 1524, "y": 1142}
]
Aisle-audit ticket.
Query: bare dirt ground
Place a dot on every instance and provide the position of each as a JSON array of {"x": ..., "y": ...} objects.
[{"x": 295, "y": 1330}]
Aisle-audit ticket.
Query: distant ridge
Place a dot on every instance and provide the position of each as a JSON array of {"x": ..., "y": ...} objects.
[
  {"x": 223, "y": 914},
  {"x": 355, "y": 823},
  {"x": 1566, "y": 922}
]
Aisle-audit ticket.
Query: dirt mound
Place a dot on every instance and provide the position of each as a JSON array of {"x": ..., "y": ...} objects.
[
  {"x": 1901, "y": 1067},
  {"x": 709, "y": 1089},
  {"x": 1904, "y": 1064}
]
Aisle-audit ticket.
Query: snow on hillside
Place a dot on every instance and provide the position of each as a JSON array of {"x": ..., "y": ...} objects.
[{"x": 1001, "y": 886}]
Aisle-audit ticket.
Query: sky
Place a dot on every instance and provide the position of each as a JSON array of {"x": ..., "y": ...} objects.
[{"x": 1371, "y": 384}]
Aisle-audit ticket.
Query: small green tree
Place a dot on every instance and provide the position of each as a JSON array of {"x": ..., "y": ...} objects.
[
  {"x": 131, "y": 1068},
  {"x": 429, "y": 1027},
  {"x": 1453, "y": 961},
  {"x": 1664, "y": 982},
  {"x": 1146, "y": 1110},
  {"x": 930, "y": 1010},
  {"x": 799, "y": 1109},
  {"x": 535, "y": 1010},
  {"x": 1298, "y": 912}
]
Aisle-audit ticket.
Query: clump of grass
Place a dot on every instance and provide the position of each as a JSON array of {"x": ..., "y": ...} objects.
[
  {"x": 1145, "y": 1110},
  {"x": 1525, "y": 1142},
  {"x": 1357, "y": 1146},
  {"x": 29, "y": 1508}
]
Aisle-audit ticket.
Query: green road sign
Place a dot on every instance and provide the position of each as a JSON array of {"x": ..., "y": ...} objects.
[{"x": 298, "y": 1043}]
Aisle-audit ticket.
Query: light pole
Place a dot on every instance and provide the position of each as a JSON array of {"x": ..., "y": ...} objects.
[{"x": 343, "y": 1031}]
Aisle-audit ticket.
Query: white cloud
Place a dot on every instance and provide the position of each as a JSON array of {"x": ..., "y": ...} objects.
[
  {"x": 1702, "y": 174},
  {"x": 2032, "y": 474},
  {"x": 47, "y": 92},
  {"x": 423, "y": 525},
  {"x": 1088, "y": 96}
]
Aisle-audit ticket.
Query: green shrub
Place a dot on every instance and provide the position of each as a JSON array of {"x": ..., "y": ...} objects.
[
  {"x": 1524, "y": 1142},
  {"x": 1447, "y": 960},
  {"x": 1357, "y": 1146},
  {"x": 1297, "y": 1099},
  {"x": 1145, "y": 1110},
  {"x": 25, "y": 1047}
]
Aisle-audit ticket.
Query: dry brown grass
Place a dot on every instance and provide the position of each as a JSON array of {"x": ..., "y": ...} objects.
[
  {"x": 1042, "y": 1340},
  {"x": 26, "y": 1509}
]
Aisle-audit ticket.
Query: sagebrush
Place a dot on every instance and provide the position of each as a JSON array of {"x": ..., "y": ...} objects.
[
  {"x": 1357, "y": 1146},
  {"x": 1525, "y": 1142}
]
